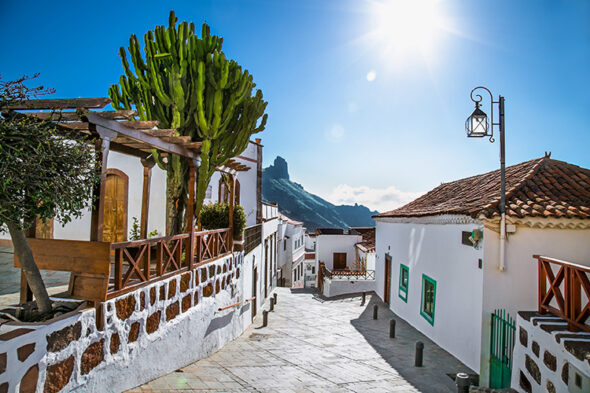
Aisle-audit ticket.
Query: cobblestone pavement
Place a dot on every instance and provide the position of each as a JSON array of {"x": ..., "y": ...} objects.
[{"x": 315, "y": 346}]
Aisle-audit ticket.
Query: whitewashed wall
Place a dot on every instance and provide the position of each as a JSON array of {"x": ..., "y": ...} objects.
[
  {"x": 515, "y": 289},
  {"x": 436, "y": 250},
  {"x": 341, "y": 287},
  {"x": 327, "y": 245}
]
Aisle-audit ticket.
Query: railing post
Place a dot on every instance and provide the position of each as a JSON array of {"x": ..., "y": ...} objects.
[
  {"x": 118, "y": 267},
  {"x": 146, "y": 262},
  {"x": 542, "y": 285},
  {"x": 160, "y": 259},
  {"x": 573, "y": 298}
]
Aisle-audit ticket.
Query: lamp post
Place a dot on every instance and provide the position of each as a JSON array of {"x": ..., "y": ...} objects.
[{"x": 477, "y": 126}]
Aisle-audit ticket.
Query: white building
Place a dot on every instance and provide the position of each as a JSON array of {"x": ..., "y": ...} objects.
[
  {"x": 291, "y": 249},
  {"x": 438, "y": 257},
  {"x": 346, "y": 260}
]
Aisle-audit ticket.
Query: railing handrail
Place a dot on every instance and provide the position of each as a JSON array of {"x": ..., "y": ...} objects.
[
  {"x": 132, "y": 243},
  {"x": 562, "y": 262}
]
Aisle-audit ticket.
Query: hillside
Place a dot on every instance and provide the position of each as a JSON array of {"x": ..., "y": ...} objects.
[{"x": 301, "y": 205}]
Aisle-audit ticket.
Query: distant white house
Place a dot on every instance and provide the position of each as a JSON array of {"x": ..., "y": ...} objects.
[
  {"x": 438, "y": 257},
  {"x": 346, "y": 260},
  {"x": 291, "y": 250}
]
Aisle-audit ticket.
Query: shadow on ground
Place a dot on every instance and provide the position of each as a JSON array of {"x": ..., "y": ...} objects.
[{"x": 399, "y": 352}]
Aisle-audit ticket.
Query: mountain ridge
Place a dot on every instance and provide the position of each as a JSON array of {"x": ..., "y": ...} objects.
[{"x": 301, "y": 205}]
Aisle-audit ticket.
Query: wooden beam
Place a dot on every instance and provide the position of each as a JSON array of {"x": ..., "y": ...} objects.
[
  {"x": 130, "y": 151},
  {"x": 73, "y": 116},
  {"x": 139, "y": 124},
  {"x": 161, "y": 132},
  {"x": 140, "y": 136},
  {"x": 61, "y": 103},
  {"x": 97, "y": 222},
  {"x": 176, "y": 139},
  {"x": 148, "y": 164},
  {"x": 190, "y": 215},
  {"x": 193, "y": 145}
]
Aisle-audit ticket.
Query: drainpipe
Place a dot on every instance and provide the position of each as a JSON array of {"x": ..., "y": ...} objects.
[
  {"x": 502, "y": 188},
  {"x": 502, "y": 242}
]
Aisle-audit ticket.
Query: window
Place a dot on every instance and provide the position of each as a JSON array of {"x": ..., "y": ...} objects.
[
  {"x": 313, "y": 270},
  {"x": 428, "y": 298},
  {"x": 404, "y": 281}
]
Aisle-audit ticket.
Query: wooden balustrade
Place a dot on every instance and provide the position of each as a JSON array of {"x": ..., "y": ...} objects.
[
  {"x": 252, "y": 238},
  {"x": 140, "y": 261},
  {"x": 569, "y": 288}
]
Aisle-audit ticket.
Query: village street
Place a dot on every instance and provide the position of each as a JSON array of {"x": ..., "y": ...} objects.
[{"x": 311, "y": 345}]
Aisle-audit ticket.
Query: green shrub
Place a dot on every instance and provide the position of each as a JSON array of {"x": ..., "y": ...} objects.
[{"x": 216, "y": 216}]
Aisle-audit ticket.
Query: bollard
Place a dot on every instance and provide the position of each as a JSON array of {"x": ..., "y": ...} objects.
[
  {"x": 392, "y": 328},
  {"x": 275, "y": 297},
  {"x": 375, "y": 311},
  {"x": 272, "y": 304},
  {"x": 419, "y": 354},
  {"x": 364, "y": 298},
  {"x": 462, "y": 382},
  {"x": 264, "y": 318}
]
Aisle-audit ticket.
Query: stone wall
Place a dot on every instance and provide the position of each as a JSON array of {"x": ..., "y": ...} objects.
[
  {"x": 147, "y": 333},
  {"x": 547, "y": 356}
]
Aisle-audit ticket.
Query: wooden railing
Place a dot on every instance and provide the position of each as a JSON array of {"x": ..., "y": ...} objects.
[
  {"x": 569, "y": 288},
  {"x": 140, "y": 261},
  {"x": 252, "y": 238},
  {"x": 347, "y": 274}
]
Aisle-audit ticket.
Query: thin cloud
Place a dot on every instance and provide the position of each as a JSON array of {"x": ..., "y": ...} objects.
[{"x": 380, "y": 199}]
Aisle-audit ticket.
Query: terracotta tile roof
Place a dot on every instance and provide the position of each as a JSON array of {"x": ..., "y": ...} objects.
[
  {"x": 288, "y": 220},
  {"x": 368, "y": 234},
  {"x": 542, "y": 187},
  {"x": 329, "y": 231}
]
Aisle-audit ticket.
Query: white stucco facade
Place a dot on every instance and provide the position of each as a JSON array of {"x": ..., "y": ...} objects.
[
  {"x": 327, "y": 245},
  {"x": 435, "y": 250}
]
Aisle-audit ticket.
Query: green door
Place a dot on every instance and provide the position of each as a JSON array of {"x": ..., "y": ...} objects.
[{"x": 501, "y": 346}]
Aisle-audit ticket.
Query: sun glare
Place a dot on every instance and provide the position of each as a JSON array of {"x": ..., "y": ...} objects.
[{"x": 404, "y": 28}]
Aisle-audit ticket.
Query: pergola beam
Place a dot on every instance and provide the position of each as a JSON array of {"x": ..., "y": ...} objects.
[
  {"x": 61, "y": 103},
  {"x": 140, "y": 136}
]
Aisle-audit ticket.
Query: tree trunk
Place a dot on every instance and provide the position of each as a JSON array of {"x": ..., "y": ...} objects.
[{"x": 32, "y": 273}]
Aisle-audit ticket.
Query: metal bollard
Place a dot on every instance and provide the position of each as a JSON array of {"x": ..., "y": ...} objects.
[
  {"x": 272, "y": 304},
  {"x": 264, "y": 318},
  {"x": 392, "y": 328},
  {"x": 375, "y": 311},
  {"x": 462, "y": 381},
  {"x": 275, "y": 297},
  {"x": 364, "y": 298},
  {"x": 419, "y": 354}
]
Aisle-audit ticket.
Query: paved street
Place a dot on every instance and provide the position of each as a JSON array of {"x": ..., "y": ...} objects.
[
  {"x": 56, "y": 282},
  {"x": 315, "y": 346}
]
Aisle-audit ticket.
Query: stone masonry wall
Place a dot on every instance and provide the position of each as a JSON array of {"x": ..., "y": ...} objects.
[
  {"x": 546, "y": 354},
  {"x": 149, "y": 332}
]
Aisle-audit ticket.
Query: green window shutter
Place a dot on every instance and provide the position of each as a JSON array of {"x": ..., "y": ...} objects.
[
  {"x": 404, "y": 282},
  {"x": 427, "y": 304}
]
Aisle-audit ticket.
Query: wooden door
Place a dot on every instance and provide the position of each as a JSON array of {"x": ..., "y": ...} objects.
[
  {"x": 254, "y": 291},
  {"x": 339, "y": 261},
  {"x": 387, "y": 288},
  {"x": 115, "y": 207}
]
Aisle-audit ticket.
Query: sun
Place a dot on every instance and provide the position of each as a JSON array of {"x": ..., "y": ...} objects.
[{"x": 404, "y": 28}]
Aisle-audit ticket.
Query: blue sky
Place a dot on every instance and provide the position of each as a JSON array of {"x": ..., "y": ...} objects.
[{"x": 367, "y": 102}]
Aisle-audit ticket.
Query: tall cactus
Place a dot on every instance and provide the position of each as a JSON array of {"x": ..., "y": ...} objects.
[{"x": 187, "y": 83}]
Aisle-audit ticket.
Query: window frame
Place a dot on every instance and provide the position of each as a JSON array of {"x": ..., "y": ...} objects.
[
  {"x": 403, "y": 292},
  {"x": 429, "y": 318}
]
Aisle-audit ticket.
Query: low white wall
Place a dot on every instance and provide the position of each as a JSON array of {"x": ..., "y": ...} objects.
[
  {"x": 189, "y": 327},
  {"x": 342, "y": 287},
  {"x": 549, "y": 363},
  {"x": 435, "y": 250}
]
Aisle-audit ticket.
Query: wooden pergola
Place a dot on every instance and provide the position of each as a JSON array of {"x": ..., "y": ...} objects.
[{"x": 119, "y": 131}]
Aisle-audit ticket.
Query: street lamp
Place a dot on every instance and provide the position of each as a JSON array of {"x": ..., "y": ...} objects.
[{"x": 477, "y": 126}]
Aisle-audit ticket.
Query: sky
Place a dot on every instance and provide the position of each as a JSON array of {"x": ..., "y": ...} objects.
[{"x": 367, "y": 99}]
